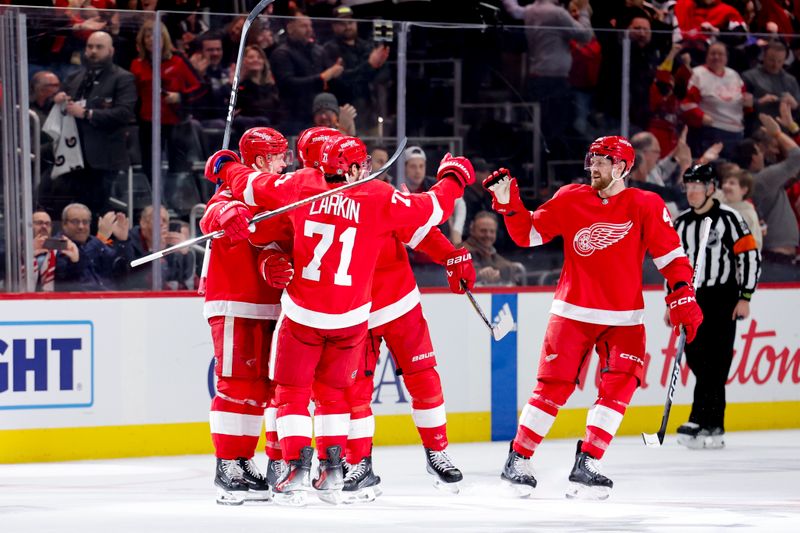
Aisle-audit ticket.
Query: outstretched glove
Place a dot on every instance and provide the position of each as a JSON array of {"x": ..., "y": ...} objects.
[
  {"x": 505, "y": 192},
  {"x": 234, "y": 219},
  {"x": 275, "y": 267},
  {"x": 458, "y": 168},
  {"x": 217, "y": 161},
  {"x": 459, "y": 267},
  {"x": 684, "y": 311}
]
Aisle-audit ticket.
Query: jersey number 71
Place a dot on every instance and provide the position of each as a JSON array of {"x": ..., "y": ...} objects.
[{"x": 327, "y": 231}]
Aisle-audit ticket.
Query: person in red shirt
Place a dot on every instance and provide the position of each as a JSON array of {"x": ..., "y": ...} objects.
[
  {"x": 242, "y": 311},
  {"x": 179, "y": 86},
  {"x": 322, "y": 331},
  {"x": 607, "y": 228}
]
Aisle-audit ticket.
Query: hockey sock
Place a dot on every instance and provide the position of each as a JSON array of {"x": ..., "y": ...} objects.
[
  {"x": 428, "y": 411},
  {"x": 293, "y": 420},
  {"x": 273, "y": 445},
  {"x": 604, "y": 418},
  {"x": 362, "y": 423},
  {"x": 235, "y": 428},
  {"x": 331, "y": 418},
  {"x": 539, "y": 414}
]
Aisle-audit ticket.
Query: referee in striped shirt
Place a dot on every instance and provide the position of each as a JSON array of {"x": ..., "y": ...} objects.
[{"x": 724, "y": 289}]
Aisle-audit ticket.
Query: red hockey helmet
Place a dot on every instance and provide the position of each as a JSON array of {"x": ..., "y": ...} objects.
[
  {"x": 309, "y": 144},
  {"x": 340, "y": 153},
  {"x": 613, "y": 147},
  {"x": 263, "y": 141}
]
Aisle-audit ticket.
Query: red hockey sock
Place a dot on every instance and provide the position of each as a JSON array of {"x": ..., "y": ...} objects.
[
  {"x": 235, "y": 428},
  {"x": 615, "y": 393},
  {"x": 539, "y": 414},
  {"x": 293, "y": 421},
  {"x": 428, "y": 411},
  {"x": 331, "y": 418}
]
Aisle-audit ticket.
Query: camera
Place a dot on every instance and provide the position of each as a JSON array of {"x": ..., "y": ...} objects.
[{"x": 54, "y": 243}]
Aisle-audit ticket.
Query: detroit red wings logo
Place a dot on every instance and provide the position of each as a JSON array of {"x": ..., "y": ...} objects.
[{"x": 599, "y": 236}]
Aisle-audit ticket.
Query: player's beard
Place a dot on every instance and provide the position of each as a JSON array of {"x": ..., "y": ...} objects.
[{"x": 599, "y": 183}]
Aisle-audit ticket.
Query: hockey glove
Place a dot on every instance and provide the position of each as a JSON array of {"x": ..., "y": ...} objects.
[
  {"x": 505, "y": 192},
  {"x": 684, "y": 311},
  {"x": 276, "y": 268},
  {"x": 234, "y": 219},
  {"x": 459, "y": 267},
  {"x": 217, "y": 161},
  {"x": 458, "y": 168}
]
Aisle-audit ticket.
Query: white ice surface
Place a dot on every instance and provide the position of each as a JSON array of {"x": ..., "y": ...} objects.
[{"x": 752, "y": 485}]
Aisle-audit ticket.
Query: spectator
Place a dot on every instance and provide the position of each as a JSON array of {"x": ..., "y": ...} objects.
[
  {"x": 491, "y": 267},
  {"x": 327, "y": 112},
  {"x": 699, "y": 21},
  {"x": 44, "y": 87},
  {"x": 644, "y": 60},
  {"x": 101, "y": 96},
  {"x": 300, "y": 70},
  {"x": 102, "y": 259},
  {"x": 737, "y": 187},
  {"x": 363, "y": 62},
  {"x": 379, "y": 157},
  {"x": 257, "y": 102},
  {"x": 665, "y": 93},
  {"x": 179, "y": 88},
  {"x": 232, "y": 35},
  {"x": 44, "y": 256},
  {"x": 653, "y": 173},
  {"x": 781, "y": 240},
  {"x": 583, "y": 74},
  {"x": 770, "y": 83},
  {"x": 416, "y": 181},
  {"x": 211, "y": 110},
  {"x": 177, "y": 270},
  {"x": 549, "y": 57},
  {"x": 715, "y": 103}
]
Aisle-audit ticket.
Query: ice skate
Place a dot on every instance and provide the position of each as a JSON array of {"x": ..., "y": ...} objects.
[
  {"x": 293, "y": 487},
  {"x": 586, "y": 480},
  {"x": 441, "y": 467},
  {"x": 694, "y": 437},
  {"x": 258, "y": 488},
  {"x": 361, "y": 483},
  {"x": 687, "y": 435},
  {"x": 232, "y": 488},
  {"x": 517, "y": 472},
  {"x": 275, "y": 470},
  {"x": 331, "y": 477}
]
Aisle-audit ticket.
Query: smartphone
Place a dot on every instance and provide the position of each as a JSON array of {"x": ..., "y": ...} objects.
[
  {"x": 52, "y": 243},
  {"x": 175, "y": 226},
  {"x": 382, "y": 31}
]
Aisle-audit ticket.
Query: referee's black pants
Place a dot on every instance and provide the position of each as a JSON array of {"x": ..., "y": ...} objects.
[{"x": 710, "y": 355}]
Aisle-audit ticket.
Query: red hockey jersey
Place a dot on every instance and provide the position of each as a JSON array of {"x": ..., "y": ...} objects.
[
  {"x": 234, "y": 286},
  {"x": 337, "y": 240},
  {"x": 604, "y": 247}
]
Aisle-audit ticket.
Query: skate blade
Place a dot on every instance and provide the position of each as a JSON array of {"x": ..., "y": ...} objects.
[
  {"x": 297, "y": 498},
  {"x": 578, "y": 491},
  {"x": 258, "y": 496},
  {"x": 450, "y": 488},
  {"x": 520, "y": 490},
  {"x": 701, "y": 443},
  {"x": 332, "y": 497},
  {"x": 225, "y": 497},
  {"x": 365, "y": 495}
]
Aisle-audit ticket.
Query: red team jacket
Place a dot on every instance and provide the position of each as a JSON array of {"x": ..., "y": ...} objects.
[
  {"x": 337, "y": 240},
  {"x": 604, "y": 248}
]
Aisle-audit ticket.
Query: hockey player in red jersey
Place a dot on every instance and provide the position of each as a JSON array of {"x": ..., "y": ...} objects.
[
  {"x": 242, "y": 311},
  {"x": 396, "y": 317},
  {"x": 607, "y": 228},
  {"x": 323, "y": 326}
]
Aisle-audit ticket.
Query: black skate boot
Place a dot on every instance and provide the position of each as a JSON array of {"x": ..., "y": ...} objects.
[
  {"x": 361, "y": 483},
  {"x": 275, "y": 470},
  {"x": 231, "y": 486},
  {"x": 687, "y": 435},
  {"x": 586, "y": 479},
  {"x": 694, "y": 437},
  {"x": 293, "y": 486},
  {"x": 330, "y": 481},
  {"x": 258, "y": 488},
  {"x": 517, "y": 472},
  {"x": 444, "y": 471}
]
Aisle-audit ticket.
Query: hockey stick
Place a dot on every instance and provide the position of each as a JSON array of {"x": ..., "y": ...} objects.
[
  {"x": 271, "y": 214},
  {"x": 654, "y": 440},
  {"x": 226, "y": 137},
  {"x": 505, "y": 321}
]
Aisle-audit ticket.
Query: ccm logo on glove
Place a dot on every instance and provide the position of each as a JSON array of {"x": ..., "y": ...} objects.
[{"x": 682, "y": 301}]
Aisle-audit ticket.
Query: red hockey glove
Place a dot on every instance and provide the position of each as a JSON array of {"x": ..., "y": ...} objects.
[
  {"x": 217, "y": 161},
  {"x": 505, "y": 192},
  {"x": 459, "y": 267},
  {"x": 234, "y": 218},
  {"x": 684, "y": 311},
  {"x": 275, "y": 267},
  {"x": 458, "y": 168}
]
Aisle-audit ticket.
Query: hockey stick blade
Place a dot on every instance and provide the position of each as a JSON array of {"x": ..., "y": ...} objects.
[
  {"x": 655, "y": 440},
  {"x": 505, "y": 321},
  {"x": 271, "y": 214}
]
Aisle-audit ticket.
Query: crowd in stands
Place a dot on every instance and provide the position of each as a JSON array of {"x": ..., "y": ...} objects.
[{"x": 709, "y": 81}]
